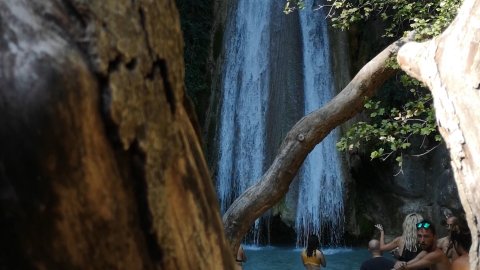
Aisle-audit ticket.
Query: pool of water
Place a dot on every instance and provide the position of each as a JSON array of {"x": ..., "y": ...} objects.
[{"x": 283, "y": 258}]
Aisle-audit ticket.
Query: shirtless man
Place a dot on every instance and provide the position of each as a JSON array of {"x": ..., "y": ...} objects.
[
  {"x": 431, "y": 256},
  {"x": 445, "y": 243}
]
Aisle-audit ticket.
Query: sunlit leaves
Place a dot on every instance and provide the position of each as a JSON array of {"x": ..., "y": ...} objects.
[
  {"x": 427, "y": 17},
  {"x": 293, "y": 5},
  {"x": 390, "y": 129}
]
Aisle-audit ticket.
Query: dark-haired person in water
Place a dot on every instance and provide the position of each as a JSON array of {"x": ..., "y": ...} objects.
[{"x": 312, "y": 257}]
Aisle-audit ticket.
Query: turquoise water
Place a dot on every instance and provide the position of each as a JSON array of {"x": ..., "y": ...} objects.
[{"x": 280, "y": 258}]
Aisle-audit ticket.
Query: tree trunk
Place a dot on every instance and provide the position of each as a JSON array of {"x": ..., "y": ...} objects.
[
  {"x": 300, "y": 140},
  {"x": 100, "y": 166},
  {"x": 450, "y": 66}
]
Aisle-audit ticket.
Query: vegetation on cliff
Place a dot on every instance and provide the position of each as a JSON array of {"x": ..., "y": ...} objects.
[{"x": 393, "y": 122}]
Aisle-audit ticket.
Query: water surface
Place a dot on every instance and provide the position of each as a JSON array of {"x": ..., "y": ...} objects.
[{"x": 283, "y": 258}]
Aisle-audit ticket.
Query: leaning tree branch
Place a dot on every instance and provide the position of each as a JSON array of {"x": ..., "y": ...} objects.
[{"x": 300, "y": 141}]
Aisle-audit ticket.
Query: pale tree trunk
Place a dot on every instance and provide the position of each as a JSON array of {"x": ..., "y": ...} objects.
[
  {"x": 450, "y": 66},
  {"x": 100, "y": 166},
  {"x": 300, "y": 140}
]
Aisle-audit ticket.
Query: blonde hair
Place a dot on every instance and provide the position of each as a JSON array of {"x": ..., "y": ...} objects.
[{"x": 410, "y": 231}]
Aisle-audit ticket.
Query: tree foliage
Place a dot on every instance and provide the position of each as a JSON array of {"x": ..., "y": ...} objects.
[
  {"x": 427, "y": 17},
  {"x": 390, "y": 127}
]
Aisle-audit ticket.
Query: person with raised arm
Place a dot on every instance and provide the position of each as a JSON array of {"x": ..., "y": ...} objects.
[{"x": 405, "y": 246}]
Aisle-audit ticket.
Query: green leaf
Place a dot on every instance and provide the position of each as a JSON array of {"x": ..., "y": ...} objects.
[{"x": 405, "y": 145}]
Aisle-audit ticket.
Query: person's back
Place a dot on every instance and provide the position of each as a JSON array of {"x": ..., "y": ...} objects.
[
  {"x": 462, "y": 242},
  {"x": 461, "y": 263},
  {"x": 313, "y": 262},
  {"x": 377, "y": 262},
  {"x": 312, "y": 257}
]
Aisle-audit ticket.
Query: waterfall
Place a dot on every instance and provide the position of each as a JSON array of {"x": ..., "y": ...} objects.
[
  {"x": 262, "y": 62},
  {"x": 244, "y": 97},
  {"x": 320, "y": 200}
]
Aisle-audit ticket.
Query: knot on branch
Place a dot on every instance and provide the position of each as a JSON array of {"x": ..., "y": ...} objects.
[{"x": 476, "y": 85}]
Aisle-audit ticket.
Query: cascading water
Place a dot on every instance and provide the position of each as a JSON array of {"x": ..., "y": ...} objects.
[
  {"x": 249, "y": 81},
  {"x": 245, "y": 95},
  {"x": 320, "y": 200}
]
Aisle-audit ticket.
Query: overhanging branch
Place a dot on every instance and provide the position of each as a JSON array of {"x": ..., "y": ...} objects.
[{"x": 301, "y": 139}]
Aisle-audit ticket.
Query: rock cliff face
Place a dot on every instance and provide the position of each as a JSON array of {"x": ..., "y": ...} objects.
[
  {"x": 100, "y": 164},
  {"x": 377, "y": 194},
  {"x": 216, "y": 57}
]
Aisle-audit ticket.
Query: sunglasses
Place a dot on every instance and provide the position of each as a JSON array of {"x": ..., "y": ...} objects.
[{"x": 424, "y": 225}]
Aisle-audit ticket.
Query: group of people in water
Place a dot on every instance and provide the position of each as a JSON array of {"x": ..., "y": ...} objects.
[{"x": 417, "y": 247}]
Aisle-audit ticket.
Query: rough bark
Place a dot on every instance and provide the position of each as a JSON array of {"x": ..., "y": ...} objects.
[
  {"x": 300, "y": 140},
  {"x": 450, "y": 66},
  {"x": 100, "y": 166}
]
